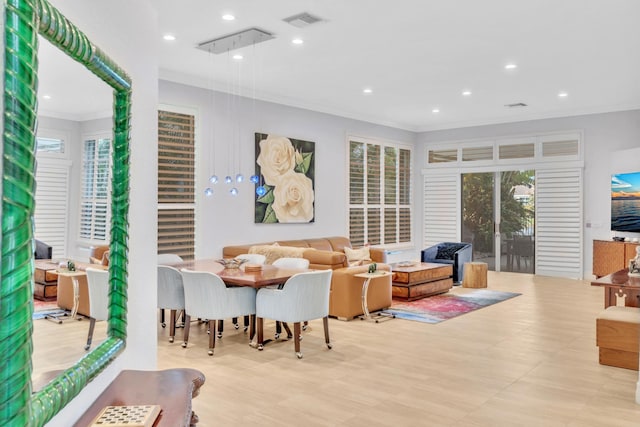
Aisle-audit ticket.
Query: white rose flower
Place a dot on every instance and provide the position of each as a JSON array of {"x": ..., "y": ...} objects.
[
  {"x": 293, "y": 198},
  {"x": 277, "y": 157}
]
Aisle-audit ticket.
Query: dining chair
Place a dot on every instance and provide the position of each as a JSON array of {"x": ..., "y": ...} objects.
[
  {"x": 98, "y": 289},
  {"x": 293, "y": 263},
  {"x": 305, "y": 296},
  {"x": 167, "y": 259},
  {"x": 170, "y": 296},
  {"x": 253, "y": 258},
  {"x": 207, "y": 297},
  {"x": 286, "y": 262}
]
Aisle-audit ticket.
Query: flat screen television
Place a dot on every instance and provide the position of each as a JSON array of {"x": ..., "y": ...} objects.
[{"x": 625, "y": 202}]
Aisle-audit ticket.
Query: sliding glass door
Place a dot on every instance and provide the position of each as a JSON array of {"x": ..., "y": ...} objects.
[{"x": 498, "y": 214}]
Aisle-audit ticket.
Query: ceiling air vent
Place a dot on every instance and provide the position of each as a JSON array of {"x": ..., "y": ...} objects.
[
  {"x": 237, "y": 40},
  {"x": 302, "y": 20},
  {"x": 516, "y": 105}
]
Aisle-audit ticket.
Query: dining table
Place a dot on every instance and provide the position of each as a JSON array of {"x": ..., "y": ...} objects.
[{"x": 267, "y": 275}]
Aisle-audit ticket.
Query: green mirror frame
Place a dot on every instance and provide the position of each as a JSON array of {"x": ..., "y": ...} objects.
[{"x": 24, "y": 20}]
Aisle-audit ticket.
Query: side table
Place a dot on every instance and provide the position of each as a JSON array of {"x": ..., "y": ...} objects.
[{"x": 380, "y": 315}]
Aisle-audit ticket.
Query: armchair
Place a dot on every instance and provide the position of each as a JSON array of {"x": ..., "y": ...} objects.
[
  {"x": 42, "y": 250},
  {"x": 455, "y": 253}
]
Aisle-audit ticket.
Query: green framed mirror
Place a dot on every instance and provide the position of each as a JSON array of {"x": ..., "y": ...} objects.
[{"x": 23, "y": 21}]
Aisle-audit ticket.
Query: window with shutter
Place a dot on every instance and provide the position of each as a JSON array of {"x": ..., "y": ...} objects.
[
  {"x": 379, "y": 193},
  {"x": 176, "y": 184},
  {"x": 95, "y": 188}
]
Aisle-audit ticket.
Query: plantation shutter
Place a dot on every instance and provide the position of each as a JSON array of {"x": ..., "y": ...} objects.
[
  {"x": 441, "y": 209},
  {"x": 52, "y": 204},
  {"x": 95, "y": 188},
  {"x": 176, "y": 184},
  {"x": 559, "y": 225}
]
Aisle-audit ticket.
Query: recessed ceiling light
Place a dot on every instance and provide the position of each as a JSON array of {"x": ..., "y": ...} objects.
[
  {"x": 237, "y": 56},
  {"x": 367, "y": 90},
  {"x": 228, "y": 17},
  {"x": 510, "y": 67},
  {"x": 46, "y": 96},
  {"x": 562, "y": 94},
  {"x": 466, "y": 93},
  {"x": 169, "y": 37},
  {"x": 297, "y": 41},
  {"x": 435, "y": 110}
]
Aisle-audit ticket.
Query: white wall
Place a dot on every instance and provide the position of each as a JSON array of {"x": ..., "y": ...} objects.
[
  {"x": 131, "y": 41},
  {"x": 226, "y": 220},
  {"x": 605, "y": 136}
]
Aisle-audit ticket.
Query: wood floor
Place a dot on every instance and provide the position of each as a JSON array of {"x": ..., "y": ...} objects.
[{"x": 528, "y": 361}]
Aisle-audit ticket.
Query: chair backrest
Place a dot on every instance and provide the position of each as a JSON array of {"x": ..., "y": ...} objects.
[
  {"x": 253, "y": 258},
  {"x": 168, "y": 259},
  {"x": 287, "y": 262},
  {"x": 204, "y": 294},
  {"x": 98, "y": 287},
  {"x": 306, "y": 296},
  {"x": 170, "y": 288}
]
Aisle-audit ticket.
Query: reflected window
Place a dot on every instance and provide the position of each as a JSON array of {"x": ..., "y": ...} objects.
[
  {"x": 95, "y": 189},
  {"x": 49, "y": 146}
]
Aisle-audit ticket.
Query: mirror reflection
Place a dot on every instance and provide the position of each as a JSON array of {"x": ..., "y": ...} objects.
[{"x": 72, "y": 214}]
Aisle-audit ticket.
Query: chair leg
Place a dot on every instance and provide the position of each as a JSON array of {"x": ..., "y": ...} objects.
[
  {"x": 212, "y": 337},
  {"x": 252, "y": 327},
  {"x": 246, "y": 323},
  {"x": 260, "y": 334},
  {"x": 92, "y": 325},
  {"x": 172, "y": 325},
  {"x": 286, "y": 328},
  {"x": 187, "y": 326},
  {"x": 234, "y": 320},
  {"x": 304, "y": 325},
  {"x": 162, "y": 318},
  {"x": 220, "y": 328},
  {"x": 278, "y": 329},
  {"x": 325, "y": 322},
  {"x": 296, "y": 339}
]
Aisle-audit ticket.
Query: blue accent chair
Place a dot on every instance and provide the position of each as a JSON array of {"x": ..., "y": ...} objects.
[{"x": 455, "y": 253}]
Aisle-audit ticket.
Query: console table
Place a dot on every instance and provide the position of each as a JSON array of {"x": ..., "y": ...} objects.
[
  {"x": 172, "y": 389},
  {"x": 619, "y": 284},
  {"x": 420, "y": 279}
]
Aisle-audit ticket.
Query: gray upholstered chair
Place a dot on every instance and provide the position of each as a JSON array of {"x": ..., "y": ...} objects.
[
  {"x": 170, "y": 296},
  {"x": 305, "y": 296},
  {"x": 169, "y": 259},
  {"x": 454, "y": 253},
  {"x": 98, "y": 289},
  {"x": 207, "y": 297}
]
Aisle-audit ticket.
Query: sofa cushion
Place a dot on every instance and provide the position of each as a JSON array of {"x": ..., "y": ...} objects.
[
  {"x": 447, "y": 251},
  {"x": 273, "y": 252},
  {"x": 357, "y": 256}
]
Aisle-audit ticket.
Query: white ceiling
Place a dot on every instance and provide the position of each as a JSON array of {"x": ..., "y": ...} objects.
[{"x": 416, "y": 55}]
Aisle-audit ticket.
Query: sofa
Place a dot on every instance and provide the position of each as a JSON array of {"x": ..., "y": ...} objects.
[
  {"x": 455, "y": 253},
  {"x": 345, "y": 299}
]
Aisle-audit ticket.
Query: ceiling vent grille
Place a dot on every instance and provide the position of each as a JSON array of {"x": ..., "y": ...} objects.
[
  {"x": 516, "y": 105},
  {"x": 237, "y": 40},
  {"x": 302, "y": 20}
]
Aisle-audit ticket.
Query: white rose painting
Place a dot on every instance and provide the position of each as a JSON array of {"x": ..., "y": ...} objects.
[{"x": 286, "y": 170}]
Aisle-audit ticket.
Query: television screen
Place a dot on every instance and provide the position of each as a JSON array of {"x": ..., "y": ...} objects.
[{"x": 625, "y": 202}]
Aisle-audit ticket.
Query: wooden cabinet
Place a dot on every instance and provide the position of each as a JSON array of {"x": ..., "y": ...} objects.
[{"x": 611, "y": 256}]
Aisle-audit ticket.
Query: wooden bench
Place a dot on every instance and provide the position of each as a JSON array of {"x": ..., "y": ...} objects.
[
  {"x": 617, "y": 336},
  {"x": 172, "y": 389}
]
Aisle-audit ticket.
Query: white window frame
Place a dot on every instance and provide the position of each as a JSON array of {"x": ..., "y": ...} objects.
[
  {"x": 92, "y": 240},
  {"x": 382, "y": 206}
]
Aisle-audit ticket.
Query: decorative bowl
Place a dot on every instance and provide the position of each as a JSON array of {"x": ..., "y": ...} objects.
[{"x": 231, "y": 262}]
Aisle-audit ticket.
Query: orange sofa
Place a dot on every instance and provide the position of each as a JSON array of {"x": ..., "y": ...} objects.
[{"x": 345, "y": 301}]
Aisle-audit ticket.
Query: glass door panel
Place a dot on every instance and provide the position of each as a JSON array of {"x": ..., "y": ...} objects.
[
  {"x": 478, "y": 215},
  {"x": 517, "y": 221}
]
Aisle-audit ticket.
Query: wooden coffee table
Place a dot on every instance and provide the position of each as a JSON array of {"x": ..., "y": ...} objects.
[{"x": 421, "y": 279}]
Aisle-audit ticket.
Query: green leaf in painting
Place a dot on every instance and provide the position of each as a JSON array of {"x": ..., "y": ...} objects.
[
  {"x": 270, "y": 216},
  {"x": 303, "y": 167},
  {"x": 268, "y": 196}
]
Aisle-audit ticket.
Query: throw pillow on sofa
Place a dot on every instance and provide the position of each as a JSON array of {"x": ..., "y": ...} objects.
[
  {"x": 357, "y": 257},
  {"x": 447, "y": 251}
]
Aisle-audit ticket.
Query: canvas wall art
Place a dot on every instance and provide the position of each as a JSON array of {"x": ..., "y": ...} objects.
[{"x": 285, "y": 192}]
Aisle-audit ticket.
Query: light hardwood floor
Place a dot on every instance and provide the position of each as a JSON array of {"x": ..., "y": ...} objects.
[{"x": 528, "y": 361}]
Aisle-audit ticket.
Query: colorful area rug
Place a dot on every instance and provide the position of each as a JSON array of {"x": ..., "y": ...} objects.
[
  {"x": 442, "y": 307},
  {"x": 43, "y": 308}
]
